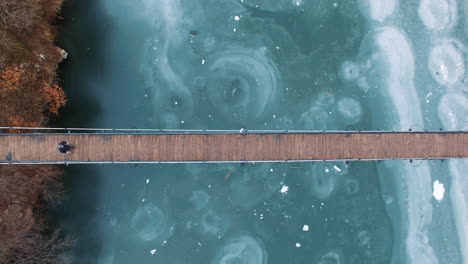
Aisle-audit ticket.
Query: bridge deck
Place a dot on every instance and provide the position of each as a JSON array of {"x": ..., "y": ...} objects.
[{"x": 237, "y": 147}]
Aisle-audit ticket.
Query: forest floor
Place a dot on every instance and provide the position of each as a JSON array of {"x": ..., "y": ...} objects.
[{"x": 29, "y": 97}]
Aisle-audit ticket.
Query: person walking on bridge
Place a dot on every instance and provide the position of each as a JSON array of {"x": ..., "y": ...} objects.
[{"x": 64, "y": 147}]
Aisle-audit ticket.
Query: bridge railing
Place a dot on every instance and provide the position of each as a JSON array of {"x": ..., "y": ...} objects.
[
  {"x": 134, "y": 163},
  {"x": 33, "y": 130}
]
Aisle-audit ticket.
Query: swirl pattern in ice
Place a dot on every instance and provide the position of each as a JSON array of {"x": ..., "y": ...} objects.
[
  {"x": 438, "y": 14},
  {"x": 244, "y": 249},
  {"x": 242, "y": 81},
  {"x": 214, "y": 224},
  {"x": 170, "y": 24},
  {"x": 199, "y": 199},
  {"x": 350, "y": 109},
  {"x": 318, "y": 116},
  {"x": 447, "y": 63},
  {"x": 323, "y": 178},
  {"x": 150, "y": 223},
  {"x": 351, "y": 186},
  {"x": 349, "y": 71},
  {"x": 331, "y": 257},
  {"x": 253, "y": 184}
]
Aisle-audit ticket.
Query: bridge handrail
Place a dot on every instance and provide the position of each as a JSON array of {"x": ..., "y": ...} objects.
[
  {"x": 212, "y": 131},
  {"x": 69, "y": 162}
]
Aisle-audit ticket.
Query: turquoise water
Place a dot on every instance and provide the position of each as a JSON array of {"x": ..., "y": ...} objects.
[{"x": 292, "y": 64}]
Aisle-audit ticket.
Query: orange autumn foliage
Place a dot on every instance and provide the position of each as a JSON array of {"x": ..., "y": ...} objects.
[
  {"x": 10, "y": 79},
  {"x": 18, "y": 121},
  {"x": 54, "y": 97}
]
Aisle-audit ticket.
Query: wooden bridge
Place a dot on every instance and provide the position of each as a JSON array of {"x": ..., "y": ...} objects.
[{"x": 114, "y": 146}]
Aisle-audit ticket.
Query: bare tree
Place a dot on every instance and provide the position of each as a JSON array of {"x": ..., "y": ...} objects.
[
  {"x": 24, "y": 236},
  {"x": 41, "y": 249},
  {"x": 19, "y": 15}
]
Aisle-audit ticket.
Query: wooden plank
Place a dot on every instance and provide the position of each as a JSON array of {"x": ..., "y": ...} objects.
[{"x": 233, "y": 147}]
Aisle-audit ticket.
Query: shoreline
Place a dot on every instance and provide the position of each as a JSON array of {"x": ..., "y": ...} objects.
[{"x": 30, "y": 96}]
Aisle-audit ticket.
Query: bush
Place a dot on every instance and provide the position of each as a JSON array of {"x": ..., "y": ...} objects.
[
  {"x": 54, "y": 97},
  {"x": 24, "y": 236},
  {"x": 10, "y": 79},
  {"x": 20, "y": 15}
]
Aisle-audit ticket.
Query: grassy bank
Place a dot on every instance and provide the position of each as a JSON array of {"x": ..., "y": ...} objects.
[{"x": 29, "y": 96}]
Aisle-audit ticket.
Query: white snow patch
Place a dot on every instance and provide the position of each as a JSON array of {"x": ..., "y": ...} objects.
[
  {"x": 305, "y": 228},
  {"x": 237, "y": 18},
  {"x": 438, "y": 191},
  {"x": 153, "y": 251},
  {"x": 298, "y": 245},
  {"x": 284, "y": 189}
]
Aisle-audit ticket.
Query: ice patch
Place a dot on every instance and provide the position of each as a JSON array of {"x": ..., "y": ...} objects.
[
  {"x": 324, "y": 180},
  {"x": 199, "y": 199},
  {"x": 438, "y": 14},
  {"x": 298, "y": 245},
  {"x": 351, "y": 186},
  {"x": 213, "y": 224},
  {"x": 459, "y": 200},
  {"x": 388, "y": 59},
  {"x": 242, "y": 81},
  {"x": 350, "y": 109},
  {"x": 349, "y": 71},
  {"x": 389, "y": 64},
  {"x": 243, "y": 249},
  {"x": 318, "y": 115},
  {"x": 252, "y": 184},
  {"x": 377, "y": 10},
  {"x": 363, "y": 239},
  {"x": 151, "y": 223},
  {"x": 447, "y": 64},
  {"x": 438, "y": 191},
  {"x": 453, "y": 111},
  {"x": 305, "y": 228},
  {"x": 331, "y": 257}
]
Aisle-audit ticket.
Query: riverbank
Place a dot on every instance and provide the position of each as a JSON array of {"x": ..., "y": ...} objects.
[{"x": 29, "y": 96}]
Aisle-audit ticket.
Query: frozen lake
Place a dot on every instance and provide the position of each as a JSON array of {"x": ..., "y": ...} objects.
[{"x": 268, "y": 64}]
